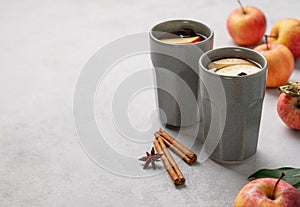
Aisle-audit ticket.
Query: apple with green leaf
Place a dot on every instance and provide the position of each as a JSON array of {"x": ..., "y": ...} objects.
[
  {"x": 268, "y": 192},
  {"x": 246, "y": 25}
]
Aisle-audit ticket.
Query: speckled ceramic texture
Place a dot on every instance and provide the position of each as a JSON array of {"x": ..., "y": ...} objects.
[
  {"x": 244, "y": 99},
  {"x": 176, "y": 67}
]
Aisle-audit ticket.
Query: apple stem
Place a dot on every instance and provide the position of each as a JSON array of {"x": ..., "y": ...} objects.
[
  {"x": 272, "y": 36},
  {"x": 274, "y": 189},
  {"x": 241, "y": 5},
  {"x": 267, "y": 42}
]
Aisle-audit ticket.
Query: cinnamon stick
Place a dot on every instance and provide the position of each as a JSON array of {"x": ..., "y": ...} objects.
[
  {"x": 171, "y": 160},
  {"x": 177, "y": 179},
  {"x": 182, "y": 151},
  {"x": 177, "y": 151}
]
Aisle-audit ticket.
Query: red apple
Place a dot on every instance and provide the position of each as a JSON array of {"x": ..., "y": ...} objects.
[
  {"x": 288, "y": 105},
  {"x": 186, "y": 40},
  {"x": 246, "y": 25},
  {"x": 287, "y": 32},
  {"x": 280, "y": 63},
  {"x": 261, "y": 193}
]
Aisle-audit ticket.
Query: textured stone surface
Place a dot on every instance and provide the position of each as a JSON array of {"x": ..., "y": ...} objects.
[{"x": 45, "y": 45}]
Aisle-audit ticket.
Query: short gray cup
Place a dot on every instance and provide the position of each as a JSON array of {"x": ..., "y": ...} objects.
[
  {"x": 176, "y": 72},
  {"x": 231, "y": 106}
]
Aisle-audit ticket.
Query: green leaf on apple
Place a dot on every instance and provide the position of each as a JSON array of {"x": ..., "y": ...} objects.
[{"x": 292, "y": 175}]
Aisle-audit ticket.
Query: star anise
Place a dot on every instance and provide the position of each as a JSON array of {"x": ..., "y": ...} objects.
[{"x": 150, "y": 158}]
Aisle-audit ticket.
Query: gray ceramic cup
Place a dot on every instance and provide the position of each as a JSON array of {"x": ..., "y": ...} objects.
[
  {"x": 231, "y": 106},
  {"x": 176, "y": 72}
]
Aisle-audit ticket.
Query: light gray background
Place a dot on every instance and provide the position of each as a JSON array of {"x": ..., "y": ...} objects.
[{"x": 45, "y": 45}]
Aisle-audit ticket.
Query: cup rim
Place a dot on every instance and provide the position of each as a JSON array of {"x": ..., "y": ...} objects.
[
  {"x": 232, "y": 48},
  {"x": 181, "y": 20}
]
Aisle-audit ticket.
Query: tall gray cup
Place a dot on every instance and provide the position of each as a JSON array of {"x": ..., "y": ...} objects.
[
  {"x": 176, "y": 71},
  {"x": 231, "y": 106}
]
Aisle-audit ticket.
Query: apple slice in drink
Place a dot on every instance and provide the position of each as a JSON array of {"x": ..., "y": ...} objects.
[
  {"x": 233, "y": 67},
  {"x": 186, "y": 40},
  {"x": 238, "y": 70},
  {"x": 227, "y": 62}
]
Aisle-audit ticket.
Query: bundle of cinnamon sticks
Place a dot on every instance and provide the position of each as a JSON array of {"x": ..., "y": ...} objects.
[{"x": 162, "y": 143}]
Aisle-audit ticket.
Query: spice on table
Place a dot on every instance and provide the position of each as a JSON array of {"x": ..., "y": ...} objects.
[
  {"x": 151, "y": 157},
  {"x": 182, "y": 151},
  {"x": 172, "y": 168}
]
